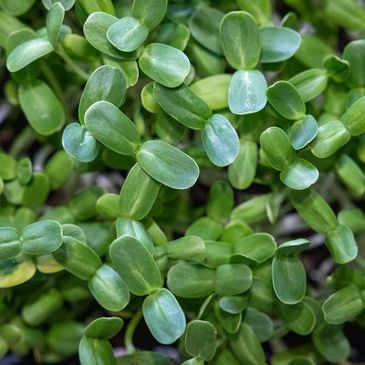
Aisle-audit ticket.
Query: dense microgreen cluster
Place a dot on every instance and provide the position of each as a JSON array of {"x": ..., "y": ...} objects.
[{"x": 193, "y": 165}]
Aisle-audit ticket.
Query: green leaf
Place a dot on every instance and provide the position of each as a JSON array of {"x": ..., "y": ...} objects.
[
  {"x": 259, "y": 9},
  {"x": 16, "y": 8},
  {"x": 299, "y": 318},
  {"x": 233, "y": 304},
  {"x": 303, "y": 131},
  {"x": 42, "y": 237},
  {"x": 206, "y": 228},
  {"x": 198, "y": 280},
  {"x": 136, "y": 265},
  {"x": 94, "y": 351},
  {"x": 338, "y": 69},
  {"x": 28, "y": 52},
  {"x": 242, "y": 171},
  {"x": 133, "y": 203},
  {"x": 183, "y": 105},
  {"x": 150, "y": 13},
  {"x": 200, "y": 339},
  {"x": 67, "y": 4},
  {"x": 247, "y": 92},
  {"x": 341, "y": 243},
  {"x": 54, "y": 22},
  {"x": 168, "y": 165},
  {"x": 136, "y": 229},
  {"x": 24, "y": 170},
  {"x": 79, "y": 143},
  {"x": 188, "y": 248},
  {"x": 204, "y": 27},
  {"x": 278, "y": 44},
  {"x": 8, "y": 166},
  {"x": 353, "y": 117},
  {"x": 59, "y": 169},
  {"x": 36, "y": 192},
  {"x": 240, "y": 40},
  {"x": 331, "y": 136},
  {"x": 343, "y": 305},
  {"x": 15, "y": 271},
  {"x": 109, "y": 289},
  {"x": 164, "y": 64},
  {"x": 354, "y": 53},
  {"x": 257, "y": 247},
  {"x": 221, "y": 201},
  {"x": 164, "y": 316},
  {"x": 104, "y": 327},
  {"x": 289, "y": 279},
  {"x": 206, "y": 88},
  {"x": 77, "y": 258},
  {"x": 92, "y": 6},
  {"x": 232, "y": 279},
  {"x": 10, "y": 243},
  {"x": 112, "y": 127},
  {"x": 310, "y": 83},
  {"x": 220, "y": 141},
  {"x": 127, "y": 34},
  {"x": 246, "y": 346},
  {"x": 293, "y": 247},
  {"x": 64, "y": 337},
  {"x": 331, "y": 343},
  {"x": 40, "y": 105},
  {"x": 277, "y": 147},
  {"x": 351, "y": 175},
  {"x": 314, "y": 210},
  {"x": 260, "y": 323},
  {"x": 36, "y": 312},
  {"x": 105, "y": 83},
  {"x": 300, "y": 174},
  {"x": 285, "y": 99},
  {"x": 95, "y": 30}
]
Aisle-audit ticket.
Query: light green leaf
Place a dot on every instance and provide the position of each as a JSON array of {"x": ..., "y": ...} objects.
[
  {"x": 289, "y": 279},
  {"x": 164, "y": 316},
  {"x": 150, "y": 12},
  {"x": 94, "y": 351},
  {"x": 10, "y": 243},
  {"x": 127, "y": 34},
  {"x": 247, "y": 92},
  {"x": 112, "y": 127},
  {"x": 240, "y": 40},
  {"x": 15, "y": 271},
  {"x": 164, "y": 64},
  {"x": 278, "y": 44},
  {"x": 285, "y": 99},
  {"x": 79, "y": 143},
  {"x": 42, "y": 237},
  {"x": 104, "y": 327},
  {"x": 40, "y": 105},
  {"x": 136, "y": 265},
  {"x": 105, "y": 83},
  {"x": 353, "y": 118},
  {"x": 27, "y": 53},
  {"x": 302, "y": 132},
  {"x": 200, "y": 339},
  {"x": 137, "y": 203},
  {"x": 168, "y": 165},
  {"x": 300, "y": 174},
  {"x": 54, "y": 22},
  {"x": 220, "y": 140},
  {"x": 183, "y": 105},
  {"x": 109, "y": 289}
]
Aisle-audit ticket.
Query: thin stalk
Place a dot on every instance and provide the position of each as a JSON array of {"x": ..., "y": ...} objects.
[
  {"x": 22, "y": 142},
  {"x": 128, "y": 338},
  {"x": 78, "y": 70}
]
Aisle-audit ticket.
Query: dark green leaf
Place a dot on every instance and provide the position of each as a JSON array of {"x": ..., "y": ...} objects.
[{"x": 104, "y": 327}]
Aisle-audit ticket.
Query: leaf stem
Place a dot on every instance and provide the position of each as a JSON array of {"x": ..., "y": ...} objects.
[
  {"x": 128, "y": 337},
  {"x": 22, "y": 141},
  {"x": 78, "y": 70}
]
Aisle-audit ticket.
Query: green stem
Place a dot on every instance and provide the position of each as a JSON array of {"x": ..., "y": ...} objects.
[
  {"x": 128, "y": 338},
  {"x": 79, "y": 71},
  {"x": 52, "y": 80},
  {"x": 22, "y": 142}
]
